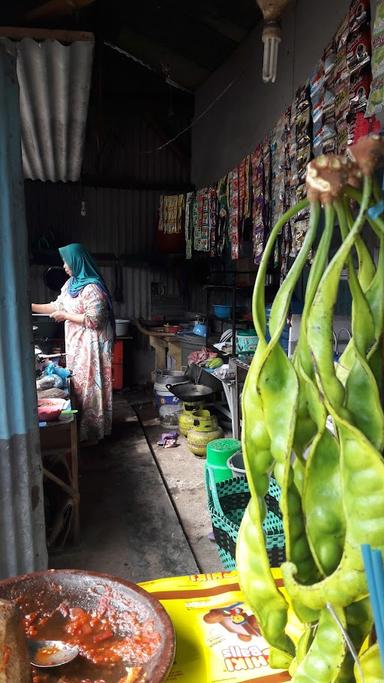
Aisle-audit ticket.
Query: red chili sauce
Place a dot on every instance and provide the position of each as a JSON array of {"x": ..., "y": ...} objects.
[{"x": 104, "y": 655}]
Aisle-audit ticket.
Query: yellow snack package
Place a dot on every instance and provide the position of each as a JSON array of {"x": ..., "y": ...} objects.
[{"x": 217, "y": 636}]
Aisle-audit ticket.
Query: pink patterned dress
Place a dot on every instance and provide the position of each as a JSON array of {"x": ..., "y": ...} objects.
[{"x": 89, "y": 356}]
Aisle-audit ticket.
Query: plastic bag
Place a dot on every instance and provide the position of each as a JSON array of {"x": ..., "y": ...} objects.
[{"x": 217, "y": 637}]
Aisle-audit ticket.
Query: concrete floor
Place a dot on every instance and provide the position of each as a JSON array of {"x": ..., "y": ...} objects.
[{"x": 133, "y": 524}]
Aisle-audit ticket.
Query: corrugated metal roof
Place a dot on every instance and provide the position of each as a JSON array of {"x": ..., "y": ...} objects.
[
  {"x": 22, "y": 531},
  {"x": 54, "y": 84}
]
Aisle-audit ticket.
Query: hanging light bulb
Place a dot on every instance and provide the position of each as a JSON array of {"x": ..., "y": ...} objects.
[{"x": 271, "y": 36}]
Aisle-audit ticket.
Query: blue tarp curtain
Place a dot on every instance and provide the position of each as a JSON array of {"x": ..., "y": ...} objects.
[{"x": 22, "y": 528}]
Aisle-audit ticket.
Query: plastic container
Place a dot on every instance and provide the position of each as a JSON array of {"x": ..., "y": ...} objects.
[
  {"x": 222, "y": 311},
  {"x": 169, "y": 415},
  {"x": 164, "y": 397},
  {"x": 169, "y": 376},
  {"x": 118, "y": 352},
  {"x": 117, "y": 376},
  {"x": 218, "y": 453},
  {"x": 122, "y": 328},
  {"x": 246, "y": 341},
  {"x": 236, "y": 464}
]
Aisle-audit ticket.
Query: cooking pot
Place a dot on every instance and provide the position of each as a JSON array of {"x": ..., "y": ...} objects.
[
  {"x": 122, "y": 327},
  {"x": 188, "y": 392}
]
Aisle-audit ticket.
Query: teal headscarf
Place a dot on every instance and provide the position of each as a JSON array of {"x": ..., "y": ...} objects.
[
  {"x": 83, "y": 267},
  {"x": 84, "y": 272}
]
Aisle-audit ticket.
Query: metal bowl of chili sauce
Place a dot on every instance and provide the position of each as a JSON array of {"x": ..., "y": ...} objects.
[{"x": 123, "y": 633}]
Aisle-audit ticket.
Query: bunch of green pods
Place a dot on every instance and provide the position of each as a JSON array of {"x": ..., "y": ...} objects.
[{"x": 318, "y": 427}]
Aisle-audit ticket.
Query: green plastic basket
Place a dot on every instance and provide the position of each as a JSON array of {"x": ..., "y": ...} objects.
[{"x": 227, "y": 501}]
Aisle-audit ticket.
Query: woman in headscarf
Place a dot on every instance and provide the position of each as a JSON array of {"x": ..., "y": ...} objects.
[{"x": 85, "y": 305}]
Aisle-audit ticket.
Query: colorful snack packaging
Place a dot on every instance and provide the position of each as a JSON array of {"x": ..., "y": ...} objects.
[
  {"x": 379, "y": 18},
  {"x": 217, "y": 637},
  {"x": 359, "y": 14},
  {"x": 342, "y": 136},
  {"x": 341, "y": 98},
  {"x": 168, "y": 439},
  {"x": 376, "y": 96},
  {"x": 329, "y": 60},
  {"x": 359, "y": 90},
  {"x": 378, "y": 53},
  {"x": 317, "y": 81},
  {"x": 359, "y": 49},
  {"x": 341, "y": 36}
]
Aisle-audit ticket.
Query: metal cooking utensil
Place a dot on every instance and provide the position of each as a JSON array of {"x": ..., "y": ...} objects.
[
  {"x": 50, "y": 653},
  {"x": 188, "y": 392}
]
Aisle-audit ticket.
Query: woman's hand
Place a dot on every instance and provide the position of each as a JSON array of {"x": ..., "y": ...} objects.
[{"x": 59, "y": 316}]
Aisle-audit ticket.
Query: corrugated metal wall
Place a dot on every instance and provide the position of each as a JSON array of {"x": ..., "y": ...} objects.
[
  {"x": 125, "y": 153},
  {"x": 116, "y": 221},
  {"x": 119, "y": 222}
]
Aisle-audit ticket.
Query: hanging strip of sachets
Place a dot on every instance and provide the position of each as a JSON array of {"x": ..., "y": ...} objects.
[
  {"x": 212, "y": 219},
  {"x": 190, "y": 207},
  {"x": 233, "y": 206},
  {"x": 358, "y": 62},
  {"x": 171, "y": 219},
  {"x": 259, "y": 227},
  {"x": 202, "y": 232},
  {"x": 303, "y": 140},
  {"x": 376, "y": 96},
  {"x": 222, "y": 225}
]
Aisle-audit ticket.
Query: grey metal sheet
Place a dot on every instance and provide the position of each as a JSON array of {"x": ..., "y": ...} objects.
[{"x": 54, "y": 84}]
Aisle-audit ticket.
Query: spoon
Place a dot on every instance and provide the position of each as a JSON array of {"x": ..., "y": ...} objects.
[{"x": 49, "y": 653}]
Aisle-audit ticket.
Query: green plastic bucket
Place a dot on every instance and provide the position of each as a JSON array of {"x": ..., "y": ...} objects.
[
  {"x": 218, "y": 452},
  {"x": 246, "y": 341}
]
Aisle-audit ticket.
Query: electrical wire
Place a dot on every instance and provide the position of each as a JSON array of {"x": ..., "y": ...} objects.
[
  {"x": 348, "y": 641},
  {"x": 200, "y": 116}
]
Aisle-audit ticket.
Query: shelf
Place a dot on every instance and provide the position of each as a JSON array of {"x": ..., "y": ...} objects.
[
  {"x": 229, "y": 320},
  {"x": 229, "y": 287}
]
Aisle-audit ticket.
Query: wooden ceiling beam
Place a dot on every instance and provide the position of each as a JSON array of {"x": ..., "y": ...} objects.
[
  {"x": 57, "y": 8},
  {"x": 62, "y": 36}
]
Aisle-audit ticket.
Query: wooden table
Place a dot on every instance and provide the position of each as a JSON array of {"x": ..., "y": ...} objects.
[
  {"x": 163, "y": 344},
  {"x": 166, "y": 344},
  {"x": 60, "y": 438}
]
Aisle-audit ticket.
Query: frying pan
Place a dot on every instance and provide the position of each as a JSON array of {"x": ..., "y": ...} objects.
[
  {"x": 188, "y": 392},
  {"x": 44, "y": 591}
]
